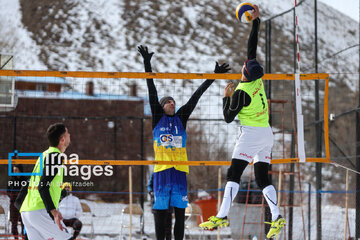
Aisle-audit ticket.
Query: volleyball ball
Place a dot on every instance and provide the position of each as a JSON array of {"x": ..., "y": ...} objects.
[{"x": 243, "y": 12}]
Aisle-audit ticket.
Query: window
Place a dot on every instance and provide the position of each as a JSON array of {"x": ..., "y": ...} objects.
[
  {"x": 41, "y": 87},
  {"x": 6, "y": 91}
]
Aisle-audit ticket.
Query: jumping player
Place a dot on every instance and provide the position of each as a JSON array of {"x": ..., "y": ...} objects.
[
  {"x": 169, "y": 136},
  {"x": 256, "y": 139}
]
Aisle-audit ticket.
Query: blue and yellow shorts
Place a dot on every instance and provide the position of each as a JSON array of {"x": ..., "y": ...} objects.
[{"x": 170, "y": 188}]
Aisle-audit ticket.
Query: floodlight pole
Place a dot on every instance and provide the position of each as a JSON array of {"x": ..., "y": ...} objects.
[
  {"x": 318, "y": 137},
  {"x": 292, "y": 154},
  {"x": 357, "y": 129}
]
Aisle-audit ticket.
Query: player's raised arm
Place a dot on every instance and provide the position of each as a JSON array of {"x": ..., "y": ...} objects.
[
  {"x": 185, "y": 111},
  {"x": 253, "y": 38},
  {"x": 156, "y": 109}
]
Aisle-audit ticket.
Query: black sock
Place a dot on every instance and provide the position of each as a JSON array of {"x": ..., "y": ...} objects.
[
  {"x": 160, "y": 223},
  {"x": 179, "y": 227}
]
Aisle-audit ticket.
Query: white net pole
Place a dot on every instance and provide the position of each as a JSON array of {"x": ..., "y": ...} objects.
[{"x": 299, "y": 115}]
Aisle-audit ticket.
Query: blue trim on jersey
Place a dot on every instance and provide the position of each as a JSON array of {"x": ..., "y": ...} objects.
[{"x": 170, "y": 133}]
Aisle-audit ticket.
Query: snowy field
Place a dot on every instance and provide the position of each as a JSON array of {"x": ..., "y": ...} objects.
[{"x": 106, "y": 219}]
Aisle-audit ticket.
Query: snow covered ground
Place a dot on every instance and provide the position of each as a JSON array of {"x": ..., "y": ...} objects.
[{"x": 107, "y": 217}]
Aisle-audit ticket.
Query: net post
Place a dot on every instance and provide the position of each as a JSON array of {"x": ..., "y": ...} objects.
[
  {"x": 130, "y": 201},
  {"x": 219, "y": 198},
  {"x": 346, "y": 203},
  {"x": 326, "y": 119}
]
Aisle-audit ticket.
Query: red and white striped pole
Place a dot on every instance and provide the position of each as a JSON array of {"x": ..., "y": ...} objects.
[{"x": 299, "y": 115}]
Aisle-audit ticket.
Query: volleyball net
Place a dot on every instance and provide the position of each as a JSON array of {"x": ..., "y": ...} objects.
[
  {"x": 100, "y": 99},
  {"x": 108, "y": 116}
]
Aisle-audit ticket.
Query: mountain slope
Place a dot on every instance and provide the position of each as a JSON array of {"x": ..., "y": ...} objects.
[{"x": 187, "y": 36}]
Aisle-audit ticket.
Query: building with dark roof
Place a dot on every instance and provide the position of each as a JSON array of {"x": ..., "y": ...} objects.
[{"x": 102, "y": 126}]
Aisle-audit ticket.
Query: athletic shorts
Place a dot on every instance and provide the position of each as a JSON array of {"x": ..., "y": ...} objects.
[
  {"x": 39, "y": 225},
  {"x": 254, "y": 143},
  {"x": 170, "y": 189}
]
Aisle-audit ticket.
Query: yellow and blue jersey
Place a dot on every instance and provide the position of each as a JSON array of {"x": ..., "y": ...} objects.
[
  {"x": 169, "y": 132},
  {"x": 169, "y": 140}
]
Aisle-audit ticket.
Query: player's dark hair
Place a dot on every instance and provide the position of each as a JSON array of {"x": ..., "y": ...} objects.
[
  {"x": 20, "y": 167},
  {"x": 54, "y": 132}
]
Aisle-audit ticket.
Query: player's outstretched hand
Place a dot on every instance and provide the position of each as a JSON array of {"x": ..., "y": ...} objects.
[
  {"x": 223, "y": 68},
  {"x": 143, "y": 50},
  {"x": 229, "y": 90},
  {"x": 57, "y": 218},
  {"x": 255, "y": 13}
]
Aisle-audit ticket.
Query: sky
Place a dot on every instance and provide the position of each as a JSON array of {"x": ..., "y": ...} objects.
[{"x": 348, "y": 7}]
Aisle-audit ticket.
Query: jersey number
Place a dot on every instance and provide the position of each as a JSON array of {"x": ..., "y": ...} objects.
[{"x": 262, "y": 100}]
